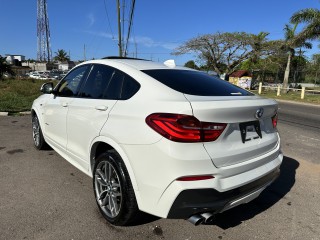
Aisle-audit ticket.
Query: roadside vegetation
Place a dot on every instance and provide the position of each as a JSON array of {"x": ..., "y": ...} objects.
[
  {"x": 291, "y": 96},
  {"x": 18, "y": 95},
  {"x": 272, "y": 61}
]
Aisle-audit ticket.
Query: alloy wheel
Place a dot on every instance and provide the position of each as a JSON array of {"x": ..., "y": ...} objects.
[
  {"x": 108, "y": 189},
  {"x": 36, "y": 131}
]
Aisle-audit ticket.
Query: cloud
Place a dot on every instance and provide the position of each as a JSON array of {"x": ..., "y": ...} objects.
[
  {"x": 149, "y": 42},
  {"x": 91, "y": 19},
  {"x": 101, "y": 34},
  {"x": 142, "y": 40}
]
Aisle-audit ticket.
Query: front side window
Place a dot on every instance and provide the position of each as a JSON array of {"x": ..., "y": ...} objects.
[{"x": 68, "y": 87}]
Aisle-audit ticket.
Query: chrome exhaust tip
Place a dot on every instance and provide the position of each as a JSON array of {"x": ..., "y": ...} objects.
[
  {"x": 196, "y": 219},
  {"x": 208, "y": 217}
]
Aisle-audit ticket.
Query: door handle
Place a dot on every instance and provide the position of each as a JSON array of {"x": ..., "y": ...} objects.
[
  {"x": 64, "y": 104},
  {"x": 101, "y": 108}
]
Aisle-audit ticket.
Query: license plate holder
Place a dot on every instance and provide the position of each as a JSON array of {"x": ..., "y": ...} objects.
[{"x": 250, "y": 127}]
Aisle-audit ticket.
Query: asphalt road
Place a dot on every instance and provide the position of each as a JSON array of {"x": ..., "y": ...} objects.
[
  {"x": 43, "y": 197},
  {"x": 299, "y": 127}
]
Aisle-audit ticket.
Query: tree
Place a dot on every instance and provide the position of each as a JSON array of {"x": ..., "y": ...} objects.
[
  {"x": 310, "y": 16},
  {"x": 291, "y": 42},
  {"x": 191, "y": 64},
  {"x": 5, "y": 67},
  {"x": 225, "y": 51},
  {"x": 313, "y": 69},
  {"x": 61, "y": 56}
]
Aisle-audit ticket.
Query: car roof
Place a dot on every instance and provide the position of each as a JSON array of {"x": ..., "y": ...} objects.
[{"x": 139, "y": 64}]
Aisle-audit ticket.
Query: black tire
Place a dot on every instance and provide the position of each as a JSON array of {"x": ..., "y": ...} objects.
[
  {"x": 38, "y": 139},
  {"x": 113, "y": 190}
]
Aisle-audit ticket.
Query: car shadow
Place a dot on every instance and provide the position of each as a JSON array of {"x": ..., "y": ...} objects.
[
  {"x": 270, "y": 196},
  {"x": 143, "y": 218}
]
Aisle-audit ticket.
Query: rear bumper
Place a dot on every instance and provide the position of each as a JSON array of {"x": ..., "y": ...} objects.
[
  {"x": 195, "y": 201},
  {"x": 156, "y": 168}
]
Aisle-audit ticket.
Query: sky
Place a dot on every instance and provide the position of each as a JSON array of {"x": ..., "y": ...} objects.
[{"x": 158, "y": 26}]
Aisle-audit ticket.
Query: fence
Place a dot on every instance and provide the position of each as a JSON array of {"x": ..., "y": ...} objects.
[{"x": 279, "y": 88}]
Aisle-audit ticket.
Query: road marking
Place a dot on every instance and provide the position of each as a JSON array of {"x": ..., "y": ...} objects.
[{"x": 311, "y": 138}]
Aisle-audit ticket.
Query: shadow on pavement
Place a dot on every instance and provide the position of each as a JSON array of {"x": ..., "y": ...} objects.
[{"x": 267, "y": 198}]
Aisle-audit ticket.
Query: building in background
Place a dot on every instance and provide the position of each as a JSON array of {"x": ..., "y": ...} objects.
[
  {"x": 15, "y": 59},
  {"x": 241, "y": 78}
]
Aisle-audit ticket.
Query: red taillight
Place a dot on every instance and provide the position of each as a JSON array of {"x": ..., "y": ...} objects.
[
  {"x": 195, "y": 178},
  {"x": 275, "y": 120},
  {"x": 184, "y": 128}
]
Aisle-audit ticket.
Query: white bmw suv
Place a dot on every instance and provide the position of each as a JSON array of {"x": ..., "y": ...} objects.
[{"x": 161, "y": 139}]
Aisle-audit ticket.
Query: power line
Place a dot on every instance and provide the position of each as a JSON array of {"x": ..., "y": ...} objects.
[
  {"x": 105, "y": 7},
  {"x": 133, "y": 2},
  {"x": 123, "y": 17}
]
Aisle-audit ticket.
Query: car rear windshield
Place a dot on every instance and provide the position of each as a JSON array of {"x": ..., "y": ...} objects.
[{"x": 196, "y": 83}]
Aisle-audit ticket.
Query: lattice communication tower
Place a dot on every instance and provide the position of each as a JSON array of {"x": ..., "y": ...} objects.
[{"x": 43, "y": 32}]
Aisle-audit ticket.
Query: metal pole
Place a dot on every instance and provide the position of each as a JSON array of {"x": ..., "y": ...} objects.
[
  {"x": 47, "y": 31},
  {"x": 119, "y": 29}
]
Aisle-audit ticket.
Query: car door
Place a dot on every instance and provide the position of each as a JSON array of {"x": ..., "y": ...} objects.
[
  {"x": 90, "y": 111},
  {"x": 56, "y": 108}
]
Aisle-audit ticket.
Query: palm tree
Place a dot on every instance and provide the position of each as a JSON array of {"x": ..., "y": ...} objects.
[
  {"x": 259, "y": 44},
  {"x": 291, "y": 42},
  {"x": 310, "y": 16},
  {"x": 4, "y": 67},
  {"x": 61, "y": 56}
]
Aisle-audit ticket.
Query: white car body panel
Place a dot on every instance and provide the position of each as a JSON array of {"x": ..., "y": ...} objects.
[
  {"x": 229, "y": 149},
  {"x": 55, "y": 111},
  {"x": 85, "y": 120}
]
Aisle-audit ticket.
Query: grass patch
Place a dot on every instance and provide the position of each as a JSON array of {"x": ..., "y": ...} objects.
[
  {"x": 292, "y": 96},
  {"x": 18, "y": 95}
]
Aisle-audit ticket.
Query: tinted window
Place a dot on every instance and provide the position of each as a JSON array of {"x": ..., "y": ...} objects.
[
  {"x": 121, "y": 86},
  {"x": 129, "y": 87},
  {"x": 196, "y": 83},
  {"x": 114, "y": 87},
  {"x": 69, "y": 86},
  {"x": 97, "y": 82}
]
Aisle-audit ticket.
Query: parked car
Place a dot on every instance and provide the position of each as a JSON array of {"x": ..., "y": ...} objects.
[
  {"x": 158, "y": 138},
  {"x": 34, "y": 75}
]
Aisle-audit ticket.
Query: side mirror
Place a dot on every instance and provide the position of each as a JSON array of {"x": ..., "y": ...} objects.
[{"x": 47, "y": 88}]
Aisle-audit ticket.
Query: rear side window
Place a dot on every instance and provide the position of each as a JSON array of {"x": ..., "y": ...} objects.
[
  {"x": 97, "y": 82},
  {"x": 121, "y": 86},
  {"x": 196, "y": 83},
  {"x": 129, "y": 87}
]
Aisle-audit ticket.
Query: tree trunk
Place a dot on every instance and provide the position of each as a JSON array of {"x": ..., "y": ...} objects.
[{"x": 286, "y": 75}]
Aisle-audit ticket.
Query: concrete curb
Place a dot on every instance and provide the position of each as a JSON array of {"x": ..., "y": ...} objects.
[
  {"x": 4, "y": 114},
  {"x": 300, "y": 103},
  {"x": 25, "y": 113}
]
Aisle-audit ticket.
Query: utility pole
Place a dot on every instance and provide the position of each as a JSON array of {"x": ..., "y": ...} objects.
[{"x": 119, "y": 29}]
